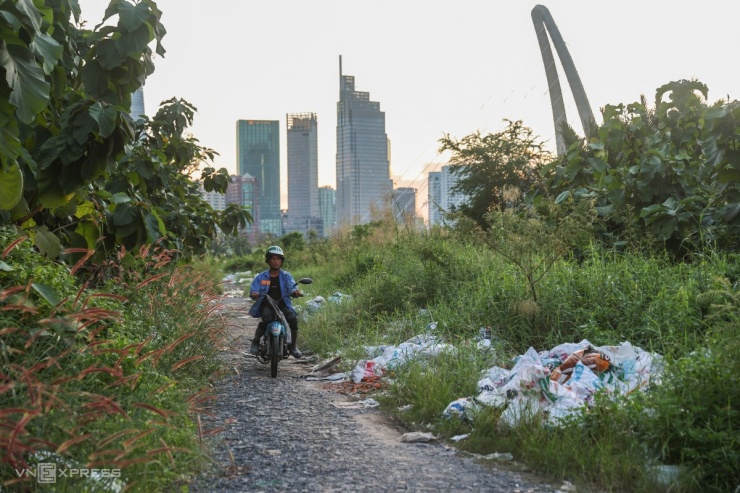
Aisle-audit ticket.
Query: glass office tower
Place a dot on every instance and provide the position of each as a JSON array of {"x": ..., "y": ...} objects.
[
  {"x": 258, "y": 154},
  {"x": 434, "y": 197},
  {"x": 363, "y": 171},
  {"x": 404, "y": 204},
  {"x": 303, "y": 174},
  {"x": 328, "y": 209}
]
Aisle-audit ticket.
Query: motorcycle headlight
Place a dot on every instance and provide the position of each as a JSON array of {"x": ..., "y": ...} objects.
[{"x": 275, "y": 328}]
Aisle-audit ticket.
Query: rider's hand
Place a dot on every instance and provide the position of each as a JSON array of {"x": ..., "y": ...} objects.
[
  {"x": 297, "y": 293},
  {"x": 254, "y": 295}
]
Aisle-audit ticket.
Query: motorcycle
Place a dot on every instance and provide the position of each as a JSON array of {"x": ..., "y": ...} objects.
[{"x": 274, "y": 343}]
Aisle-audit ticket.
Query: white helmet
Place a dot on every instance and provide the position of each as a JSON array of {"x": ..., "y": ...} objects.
[{"x": 274, "y": 250}]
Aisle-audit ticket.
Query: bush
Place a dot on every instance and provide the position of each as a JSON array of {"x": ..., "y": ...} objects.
[
  {"x": 685, "y": 311},
  {"x": 106, "y": 379}
]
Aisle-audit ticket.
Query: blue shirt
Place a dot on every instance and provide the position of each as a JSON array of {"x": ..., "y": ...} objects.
[{"x": 261, "y": 284}]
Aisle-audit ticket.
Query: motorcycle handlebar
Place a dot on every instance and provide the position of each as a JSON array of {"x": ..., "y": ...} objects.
[{"x": 295, "y": 294}]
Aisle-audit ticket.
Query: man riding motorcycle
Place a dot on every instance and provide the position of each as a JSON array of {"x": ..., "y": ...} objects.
[{"x": 277, "y": 284}]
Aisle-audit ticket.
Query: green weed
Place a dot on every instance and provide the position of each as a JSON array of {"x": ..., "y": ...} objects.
[{"x": 400, "y": 281}]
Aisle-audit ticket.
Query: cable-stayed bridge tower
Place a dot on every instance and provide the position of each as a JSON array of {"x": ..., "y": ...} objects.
[{"x": 544, "y": 24}]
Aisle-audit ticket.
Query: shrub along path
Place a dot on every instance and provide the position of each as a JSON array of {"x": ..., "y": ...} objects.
[{"x": 291, "y": 434}]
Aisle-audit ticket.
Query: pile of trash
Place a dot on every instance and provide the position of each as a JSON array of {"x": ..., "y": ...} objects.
[
  {"x": 389, "y": 357},
  {"x": 555, "y": 384},
  {"x": 383, "y": 358}
]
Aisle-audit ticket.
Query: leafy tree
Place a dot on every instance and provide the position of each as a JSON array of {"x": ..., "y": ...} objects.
[
  {"x": 66, "y": 94},
  {"x": 152, "y": 196},
  {"x": 673, "y": 170},
  {"x": 488, "y": 165},
  {"x": 76, "y": 170},
  {"x": 293, "y": 242}
]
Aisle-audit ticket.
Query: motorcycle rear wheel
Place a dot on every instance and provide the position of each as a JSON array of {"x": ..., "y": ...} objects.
[{"x": 276, "y": 350}]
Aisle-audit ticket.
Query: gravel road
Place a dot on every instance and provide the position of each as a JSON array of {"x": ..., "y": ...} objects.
[{"x": 290, "y": 434}]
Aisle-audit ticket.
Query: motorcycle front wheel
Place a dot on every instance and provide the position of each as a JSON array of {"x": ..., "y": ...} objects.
[{"x": 276, "y": 350}]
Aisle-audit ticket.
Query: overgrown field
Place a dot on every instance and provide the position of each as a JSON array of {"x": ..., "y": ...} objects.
[
  {"x": 104, "y": 382},
  {"x": 113, "y": 377},
  {"x": 400, "y": 281}
]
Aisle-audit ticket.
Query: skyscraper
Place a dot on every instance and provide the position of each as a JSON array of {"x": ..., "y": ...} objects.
[
  {"x": 404, "y": 204},
  {"x": 434, "y": 197},
  {"x": 241, "y": 191},
  {"x": 328, "y": 208},
  {"x": 441, "y": 196},
  {"x": 303, "y": 174},
  {"x": 363, "y": 174},
  {"x": 258, "y": 154}
]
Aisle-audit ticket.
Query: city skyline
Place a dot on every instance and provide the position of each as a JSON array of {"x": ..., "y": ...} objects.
[{"x": 449, "y": 68}]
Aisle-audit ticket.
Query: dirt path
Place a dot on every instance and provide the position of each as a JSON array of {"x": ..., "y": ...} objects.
[{"x": 287, "y": 433}]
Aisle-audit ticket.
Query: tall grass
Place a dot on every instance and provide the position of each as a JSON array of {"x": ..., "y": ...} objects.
[
  {"x": 109, "y": 378},
  {"x": 400, "y": 282}
]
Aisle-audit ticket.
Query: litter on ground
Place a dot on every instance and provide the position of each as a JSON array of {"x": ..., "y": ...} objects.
[
  {"x": 417, "y": 437},
  {"x": 555, "y": 384},
  {"x": 392, "y": 356}
]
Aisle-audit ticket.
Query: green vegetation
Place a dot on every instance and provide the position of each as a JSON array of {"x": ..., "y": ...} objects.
[
  {"x": 685, "y": 311},
  {"x": 75, "y": 170},
  {"x": 630, "y": 237},
  {"x": 672, "y": 171},
  {"x": 112, "y": 378},
  {"x": 107, "y": 339}
]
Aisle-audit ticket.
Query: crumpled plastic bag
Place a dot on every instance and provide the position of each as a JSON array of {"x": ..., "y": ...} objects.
[
  {"x": 314, "y": 304},
  {"x": 596, "y": 361},
  {"x": 463, "y": 408},
  {"x": 521, "y": 408},
  {"x": 366, "y": 369},
  {"x": 536, "y": 383},
  {"x": 339, "y": 297}
]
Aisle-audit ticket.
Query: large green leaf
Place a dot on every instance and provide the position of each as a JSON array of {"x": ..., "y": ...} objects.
[
  {"x": 730, "y": 212},
  {"x": 120, "y": 198},
  {"x": 31, "y": 13},
  {"x": 89, "y": 231},
  {"x": 46, "y": 47},
  {"x": 125, "y": 214},
  {"x": 106, "y": 118},
  {"x": 26, "y": 79},
  {"x": 95, "y": 78},
  {"x": 154, "y": 227},
  {"x": 108, "y": 55},
  {"x": 132, "y": 16},
  {"x": 563, "y": 196},
  {"x": 10, "y": 144},
  {"x": 47, "y": 242},
  {"x": 84, "y": 209},
  {"x": 133, "y": 43},
  {"x": 597, "y": 163},
  {"x": 12, "y": 20},
  {"x": 11, "y": 186},
  {"x": 47, "y": 292},
  {"x": 53, "y": 196}
]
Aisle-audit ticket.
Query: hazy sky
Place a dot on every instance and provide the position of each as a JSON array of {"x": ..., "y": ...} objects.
[{"x": 436, "y": 66}]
